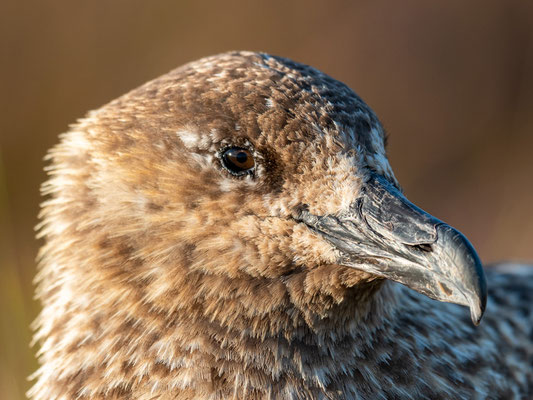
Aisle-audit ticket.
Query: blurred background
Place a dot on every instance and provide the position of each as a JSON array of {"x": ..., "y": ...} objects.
[{"x": 451, "y": 81}]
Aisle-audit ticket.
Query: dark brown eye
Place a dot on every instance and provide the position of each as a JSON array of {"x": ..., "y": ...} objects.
[{"x": 238, "y": 161}]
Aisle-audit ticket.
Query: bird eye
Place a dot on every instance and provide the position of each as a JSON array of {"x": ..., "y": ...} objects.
[{"x": 238, "y": 161}]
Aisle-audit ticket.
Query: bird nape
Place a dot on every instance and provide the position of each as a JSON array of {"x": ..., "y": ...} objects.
[{"x": 233, "y": 229}]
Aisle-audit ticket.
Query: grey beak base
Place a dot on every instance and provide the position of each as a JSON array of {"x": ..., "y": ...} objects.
[{"x": 386, "y": 235}]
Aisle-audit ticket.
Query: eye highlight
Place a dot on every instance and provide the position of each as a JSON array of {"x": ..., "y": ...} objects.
[{"x": 238, "y": 161}]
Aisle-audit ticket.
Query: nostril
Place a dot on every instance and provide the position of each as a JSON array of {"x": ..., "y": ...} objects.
[{"x": 424, "y": 247}]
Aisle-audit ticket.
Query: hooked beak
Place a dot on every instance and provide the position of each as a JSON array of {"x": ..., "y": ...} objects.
[{"x": 385, "y": 234}]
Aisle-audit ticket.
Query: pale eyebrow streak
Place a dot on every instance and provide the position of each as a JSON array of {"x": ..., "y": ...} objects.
[{"x": 190, "y": 139}]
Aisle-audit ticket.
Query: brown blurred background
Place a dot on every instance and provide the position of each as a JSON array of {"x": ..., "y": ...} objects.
[{"x": 452, "y": 82}]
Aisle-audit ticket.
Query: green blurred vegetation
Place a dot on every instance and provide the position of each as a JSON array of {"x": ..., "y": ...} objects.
[{"x": 452, "y": 81}]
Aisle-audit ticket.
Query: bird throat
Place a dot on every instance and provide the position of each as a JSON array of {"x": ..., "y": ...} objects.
[{"x": 244, "y": 332}]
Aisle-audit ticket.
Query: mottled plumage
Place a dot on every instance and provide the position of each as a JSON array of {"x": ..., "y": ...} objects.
[{"x": 164, "y": 276}]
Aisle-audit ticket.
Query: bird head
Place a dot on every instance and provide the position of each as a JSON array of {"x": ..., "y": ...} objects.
[{"x": 238, "y": 174}]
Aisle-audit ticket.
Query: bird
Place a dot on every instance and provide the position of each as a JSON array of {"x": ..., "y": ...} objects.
[{"x": 234, "y": 230}]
